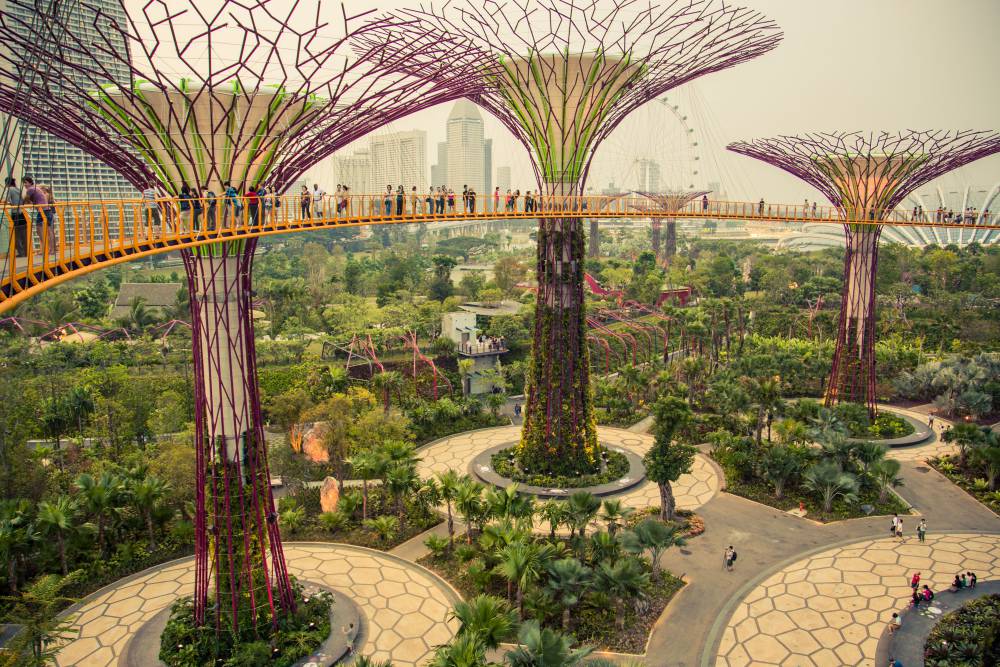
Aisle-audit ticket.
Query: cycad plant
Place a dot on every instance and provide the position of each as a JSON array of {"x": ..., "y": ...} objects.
[
  {"x": 829, "y": 482},
  {"x": 568, "y": 580},
  {"x": 582, "y": 508},
  {"x": 886, "y": 476},
  {"x": 613, "y": 513},
  {"x": 655, "y": 537},
  {"x": 541, "y": 647}
]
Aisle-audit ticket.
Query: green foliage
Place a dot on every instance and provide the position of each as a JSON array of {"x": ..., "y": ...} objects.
[
  {"x": 968, "y": 636},
  {"x": 616, "y": 467},
  {"x": 829, "y": 482}
]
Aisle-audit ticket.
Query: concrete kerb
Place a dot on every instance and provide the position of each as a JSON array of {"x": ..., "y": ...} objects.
[{"x": 711, "y": 645}]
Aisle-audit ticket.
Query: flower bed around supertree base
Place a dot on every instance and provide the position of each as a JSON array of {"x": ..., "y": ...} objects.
[
  {"x": 616, "y": 467},
  {"x": 970, "y": 635},
  {"x": 182, "y": 644}
]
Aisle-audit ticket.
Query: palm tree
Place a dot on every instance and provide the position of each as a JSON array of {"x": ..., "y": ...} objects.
[
  {"x": 388, "y": 383},
  {"x": 622, "y": 580},
  {"x": 16, "y": 536},
  {"x": 538, "y": 647},
  {"x": 465, "y": 367},
  {"x": 966, "y": 437},
  {"x": 555, "y": 513},
  {"x": 147, "y": 494},
  {"x": 521, "y": 565},
  {"x": 791, "y": 432},
  {"x": 766, "y": 395},
  {"x": 101, "y": 499},
  {"x": 869, "y": 453},
  {"x": 568, "y": 580},
  {"x": 399, "y": 479},
  {"x": 366, "y": 465},
  {"x": 43, "y": 631},
  {"x": 613, "y": 513},
  {"x": 448, "y": 482},
  {"x": 56, "y": 518},
  {"x": 655, "y": 537},
  {"x": 508, "y": 503},
  {"x": 365, "y": 661},
  {"x": 385, "y": 527},
  {"x": 583, "y": 507},
  {"x": 989, "y": 458},
  {"x": 886, "y": 475},
  {"x": 604, "y": 546},
  {"x": 781, "y": 464},
  {"x": 139, "y": 317},
  {"x": 487, "y": 617},
  {"x": 465, "y": 650},
  {"x": 827, "y": 479},
  {"x": 79, "y": 404},
  {"x": 469, "y": 501}
]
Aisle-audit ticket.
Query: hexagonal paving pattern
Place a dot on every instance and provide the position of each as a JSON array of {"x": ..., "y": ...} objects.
[
  {"x": 831, "y": 608},
  {"x": 406, "y": 606},
  {"x": 691, "y": 491},
  {"x": 928, "y": 450}
]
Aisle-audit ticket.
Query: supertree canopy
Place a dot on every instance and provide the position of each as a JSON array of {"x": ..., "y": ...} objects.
[
  {"x": 202, "y": 93},
  {"x": 866, "y": 176},
  {"x": 670, "y": 201},
  {"x": 561, "y": 75}
]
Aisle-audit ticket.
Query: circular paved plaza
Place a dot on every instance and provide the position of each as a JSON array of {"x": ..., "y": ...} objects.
[
  {"x": 831, "y": 608},
  {"x": 456, "y": 452},
  {"x": 406, "y": 607}
]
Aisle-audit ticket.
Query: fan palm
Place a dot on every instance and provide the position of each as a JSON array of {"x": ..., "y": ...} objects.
[
  {"x": 366, "y": 466},
  {"x": 448, "y": 482},
  {"x": 621, "y": 581},
  {"x": 469, "y": 501},
  {"x": 101, "y": 500},
  {"x": 582, "y": 508},
  {"x": 541, "y": 647},
  {"x": 488, "y": 617},
  {"x": 57, "y": 518},
  {"x": 604, "y": 546},
  {"x": 556, "y": 513},
  {"x": 147, "y": 494},
  {"x": 568, "y": 580},
  {"x": 886, "y": 475},
  {"x": 830, "y": 482},
  {"x": 613, "y": 513},
  {"x": 385, "y": 527},
  {"x": 521, "y": 564},
  {"x": 655, "y": 537}
]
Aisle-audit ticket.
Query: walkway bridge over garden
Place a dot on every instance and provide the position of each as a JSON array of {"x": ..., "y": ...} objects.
[{"x": 86, "y": 236}]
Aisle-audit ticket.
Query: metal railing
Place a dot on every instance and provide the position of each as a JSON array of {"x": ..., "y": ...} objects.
[{"x": 48, "y": 244}]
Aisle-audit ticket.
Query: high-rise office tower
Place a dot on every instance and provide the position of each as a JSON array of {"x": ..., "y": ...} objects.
[
  {"x": 503, "y": 179},
  {"x": 399, "y": 158},
  {"x": 439, "y": 171},
  {"x": 71, "y": 173},
  {"x": 487, "y": 166},
  {"x": 466, "y": 148},
  {"x": 354, "y": 171},
  {"x": 648, "y": 175}
]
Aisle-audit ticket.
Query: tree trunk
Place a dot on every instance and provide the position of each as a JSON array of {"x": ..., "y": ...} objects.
[
  {"x": 779, "y": 489},
  {"x": 670, "y": 240},
  {"x": 559, "y": 434},
  {"x": 62, "y": 552},
  {"x": 667, "y": 502},
  {"x": 149, "y": 527},
  {"x": 657, "y": 224},
  {"x": 364, "y": 500},
  {"x": 451, "y": 526},
  {"x": 594, "y": 250},
  {"x": 100, "y": 533},
  {"x": 12, "y": 573},
  {"x": 852, "y": 376},
  {"x": 565, "y": 620}
]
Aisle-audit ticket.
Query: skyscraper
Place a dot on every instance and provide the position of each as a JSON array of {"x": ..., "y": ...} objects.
[
  {"x": 648, "y": 175},
  {"x": 399, "y": 158},
  {"x": 487, "y": 166},
  {"x": 466, "y": 148},
  {"x": 354, "y": 171},
  {"x": 439, "y": 171},
  {"x": 503, "y": 178},
  {"x": 72, "y": 174}
]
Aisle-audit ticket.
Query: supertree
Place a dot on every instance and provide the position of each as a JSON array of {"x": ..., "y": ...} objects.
[
  {"x": 669, "y": 201},
  {"x": 866, "y": 175},
  {"x": 200, "y": 94},
  {"x": 561, "y": 75}
]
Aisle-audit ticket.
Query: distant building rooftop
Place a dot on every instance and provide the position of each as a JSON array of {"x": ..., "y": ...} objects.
[
  {"x": 490, "y": 310},
  {"x": 157, "y": 296}
]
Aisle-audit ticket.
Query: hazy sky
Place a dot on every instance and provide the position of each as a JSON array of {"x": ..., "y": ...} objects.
[{"x": 843, "y": 65}]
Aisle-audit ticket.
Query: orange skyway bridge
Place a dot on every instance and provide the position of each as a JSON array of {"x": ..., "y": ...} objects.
[{"x": 75, "y": 238}]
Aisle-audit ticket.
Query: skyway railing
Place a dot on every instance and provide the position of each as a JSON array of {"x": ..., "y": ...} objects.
[{"x": 41, "y": 246}]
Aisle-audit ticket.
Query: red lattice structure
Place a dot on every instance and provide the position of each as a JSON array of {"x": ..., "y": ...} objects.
[{"x": 866, "y": 176}]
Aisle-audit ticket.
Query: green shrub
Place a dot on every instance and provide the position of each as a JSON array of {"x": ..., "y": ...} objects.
[
  {"x": 437, "y": 544},
  {"x": 968, "y": 636},
  {"x": 888, "y": 425},
  {"x": 334, "y": 521},
  {"x": 617, "y": 467}
]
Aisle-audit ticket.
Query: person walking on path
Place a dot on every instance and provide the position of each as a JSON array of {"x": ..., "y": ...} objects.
[
  {"x": 899, "y": 530},
  {"x": 922, "y": 530},
  {"x": 895, "y": 525},
  {"x": 729, "y": 558},
  {"x": 915, "y": 581}
]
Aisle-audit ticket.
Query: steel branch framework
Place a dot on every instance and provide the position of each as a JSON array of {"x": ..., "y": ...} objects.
[
  {"x": 866, "y": 176},
  {"x": 561, "y": 75},
  {"x": 194, "y": 98},
  {"x": 670, "y": 201}
]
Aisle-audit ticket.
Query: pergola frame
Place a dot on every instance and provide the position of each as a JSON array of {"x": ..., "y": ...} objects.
[{"x": 866, "y": 176}]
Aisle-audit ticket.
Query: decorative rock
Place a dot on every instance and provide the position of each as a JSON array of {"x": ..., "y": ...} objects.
[
  {"x": 329, "y": 494},
  {"x": 311, "y": 443}
]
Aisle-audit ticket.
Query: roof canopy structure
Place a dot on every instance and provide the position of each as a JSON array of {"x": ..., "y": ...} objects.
[
  {"x": 867, "y": 175},
  {"x": 562, "y": 74},
  {"x": 215, "y": 90}
]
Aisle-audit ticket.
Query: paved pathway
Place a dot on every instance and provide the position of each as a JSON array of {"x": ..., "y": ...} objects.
[
  {"x": 925, "y": 450},
  {"x": 406, "y": 607},
  {"x": 831, "y": 608},
  {"x": 456, "y": 452}
]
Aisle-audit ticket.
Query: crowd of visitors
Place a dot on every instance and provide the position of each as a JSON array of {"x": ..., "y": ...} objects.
[
  {"x": 969, "y": 216},
  {"x": 27, "y": 205}
]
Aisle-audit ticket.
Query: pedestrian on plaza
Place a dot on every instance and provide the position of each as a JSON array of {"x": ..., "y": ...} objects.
[
  {"x": 922, "y": 530},
  {"x": 915, "y": 581},
  {"x": 899, "y": 530},
  {"x": 729, "y": 558},
  {"x": 517, "y": 409},
  {"x": 305, "y": 204},
  {"x": 965, "y": 581},
  {"x": 930, "y": 421},
  {"x": 400, "y": 198},
  {"x": 894, "y": 526},
  {"x": 895, "y": 662},
  {"x": 894, "y": 623},
  {"x": 928, "y": 594},
  {"x": 972, "y": 580}
]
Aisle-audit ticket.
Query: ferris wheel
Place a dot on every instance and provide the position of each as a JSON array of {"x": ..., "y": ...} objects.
[{"x": 654, "y": 149}]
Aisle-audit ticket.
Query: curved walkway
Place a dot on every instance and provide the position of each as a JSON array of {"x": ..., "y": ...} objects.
[
  {"x": 406, "y": 607},
  {"x": 457, "y": 452},
  {"x": 831, "y": 608}
]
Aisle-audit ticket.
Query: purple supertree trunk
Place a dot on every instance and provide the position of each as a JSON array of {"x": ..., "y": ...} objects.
[
  {"x": 236, "y": 524},
  {"x": 852, "y": 377},
  {"x": 594, "y": 249},
  {"x": 657, "y": 226}
]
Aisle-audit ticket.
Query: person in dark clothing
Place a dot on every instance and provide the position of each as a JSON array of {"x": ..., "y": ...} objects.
[
  {"x": 399, "y": 200},
  {"x": 253, "y": 206},
  {"x": 18, "y": 220}
]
